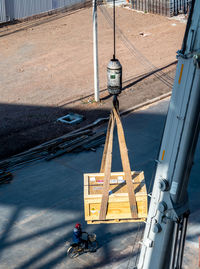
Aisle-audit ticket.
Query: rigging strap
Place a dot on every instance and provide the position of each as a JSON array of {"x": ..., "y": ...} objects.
[{"x": 106, "y": 163}]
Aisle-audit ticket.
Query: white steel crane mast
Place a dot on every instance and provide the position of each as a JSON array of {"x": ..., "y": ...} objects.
[{"x": 164, "y": 235}]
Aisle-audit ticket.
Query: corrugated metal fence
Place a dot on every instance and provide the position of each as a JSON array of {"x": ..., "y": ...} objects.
[
  {"x": 163, "y": 7},
  {"x": 18, "y": 9},
  {"x": 2, "y": 11}
]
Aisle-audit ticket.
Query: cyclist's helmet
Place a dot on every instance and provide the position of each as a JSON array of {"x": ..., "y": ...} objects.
[{"x": 78, "y": 226}]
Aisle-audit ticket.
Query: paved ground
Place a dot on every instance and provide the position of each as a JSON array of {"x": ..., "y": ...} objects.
[
  {"x": 44, "y": 201},
  {"x": 48, "y": 62}
]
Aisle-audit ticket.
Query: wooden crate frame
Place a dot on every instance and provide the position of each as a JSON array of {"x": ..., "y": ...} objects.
[{"x": 118, "y": 202}]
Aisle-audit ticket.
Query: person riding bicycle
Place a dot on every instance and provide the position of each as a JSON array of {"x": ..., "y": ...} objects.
[{"x": 77, "y": 236}]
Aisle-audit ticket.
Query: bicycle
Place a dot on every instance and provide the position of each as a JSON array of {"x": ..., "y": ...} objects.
[{"x": 75, "y": 249}]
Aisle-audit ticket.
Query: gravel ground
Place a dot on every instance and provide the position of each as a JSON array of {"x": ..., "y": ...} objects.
[{"x": 46, "y": 70}]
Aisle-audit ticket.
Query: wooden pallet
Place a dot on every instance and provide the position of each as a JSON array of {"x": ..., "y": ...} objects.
[{"x": 118, "y": 209}]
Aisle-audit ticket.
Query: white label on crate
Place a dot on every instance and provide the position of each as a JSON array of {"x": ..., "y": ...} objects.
[
  {"x": 120, "y": 179},
  {"x": 92, "y": 178},
  {"x": 97, "y": 188},
  {"x": 113, "y": 181},
  {"x": 174, "y": 187}
]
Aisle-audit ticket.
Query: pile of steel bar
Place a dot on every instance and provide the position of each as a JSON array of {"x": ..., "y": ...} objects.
[{"x": 73, "y": 142}]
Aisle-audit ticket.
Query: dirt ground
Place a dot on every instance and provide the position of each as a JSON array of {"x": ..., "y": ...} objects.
[{"x": 46, "y": 70}]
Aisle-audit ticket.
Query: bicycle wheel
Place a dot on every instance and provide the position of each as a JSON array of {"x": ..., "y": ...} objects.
[
  {"x": 72, "y": 252},
  {"x": 93, "y": 246}
]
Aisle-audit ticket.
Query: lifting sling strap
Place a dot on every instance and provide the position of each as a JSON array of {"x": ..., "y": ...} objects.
[{"x": 106, "y": 164}]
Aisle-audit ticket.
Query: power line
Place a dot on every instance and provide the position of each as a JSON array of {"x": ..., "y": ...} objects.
[{"x": 167, "y": 80}]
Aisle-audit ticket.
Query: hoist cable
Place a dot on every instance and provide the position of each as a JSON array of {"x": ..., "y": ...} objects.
[
  {"x": 135, "y": 52},
  {"x": 114, "y": 36},
  {"x": 127, "y": 42},
  {"x": 132, "y": 48}
]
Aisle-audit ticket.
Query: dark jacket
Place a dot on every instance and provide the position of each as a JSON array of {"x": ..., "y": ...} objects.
[{"x": 77, "y": 233}]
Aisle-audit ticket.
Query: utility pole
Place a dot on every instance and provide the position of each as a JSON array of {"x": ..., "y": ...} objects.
[{"x": 95, "y": 52}]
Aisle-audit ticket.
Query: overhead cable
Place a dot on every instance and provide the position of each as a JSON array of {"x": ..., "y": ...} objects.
[{"x": 137, "y": 54}]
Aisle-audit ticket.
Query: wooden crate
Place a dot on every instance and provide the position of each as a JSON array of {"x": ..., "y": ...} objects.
[{"x": 118, "y": 203}]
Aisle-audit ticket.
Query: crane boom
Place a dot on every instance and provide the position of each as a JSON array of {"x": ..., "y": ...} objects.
[{"x": 164, "y": 235}]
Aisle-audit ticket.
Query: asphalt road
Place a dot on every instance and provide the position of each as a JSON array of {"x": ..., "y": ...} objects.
[{"x": 45, "y": 200}]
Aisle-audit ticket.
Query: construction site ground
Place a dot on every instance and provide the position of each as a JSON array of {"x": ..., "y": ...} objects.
[
  {"x": 46, "y": 70},
  {"x": 42, "y": 203}
]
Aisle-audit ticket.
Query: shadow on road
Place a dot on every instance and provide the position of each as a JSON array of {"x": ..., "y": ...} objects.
[{"x": 44, "y": 201}]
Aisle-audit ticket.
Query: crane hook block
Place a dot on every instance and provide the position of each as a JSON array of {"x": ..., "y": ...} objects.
[{"x": 114, "y": 77}]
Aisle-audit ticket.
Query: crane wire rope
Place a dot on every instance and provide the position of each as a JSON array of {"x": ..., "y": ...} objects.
[
  {"x": 129, "y": 45},
  {"x": 137, "y": 53},
  {"x": 141, "y": 58},
  {"x": 114, "y": 34}
]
